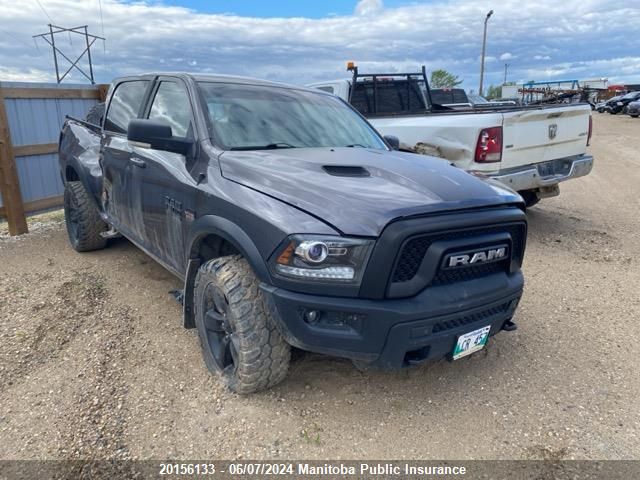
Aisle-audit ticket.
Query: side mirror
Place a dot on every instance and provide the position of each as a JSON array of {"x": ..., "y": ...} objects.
[
  {"x": 157, "y": 135},
  {"x": 393, "y": 141}
]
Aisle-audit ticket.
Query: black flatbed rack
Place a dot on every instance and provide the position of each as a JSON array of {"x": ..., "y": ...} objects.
[{"x": 421, "y": 75}]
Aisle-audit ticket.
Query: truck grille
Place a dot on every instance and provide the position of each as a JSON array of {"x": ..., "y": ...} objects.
[
  {"x": 472, "y": 318},
  {"x": 415, "y": 248}
]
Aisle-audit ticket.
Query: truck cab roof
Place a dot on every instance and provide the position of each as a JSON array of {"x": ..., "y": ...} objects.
[{"x": 200, "y": 77}]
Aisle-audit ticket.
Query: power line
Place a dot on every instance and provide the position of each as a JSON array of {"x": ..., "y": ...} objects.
[
  {"x": 50, "y": 38},
  {"x": 101, "y": 17},
  {"x": 9, "y": 34},
  {"x": 104, "y": 47},
  {"x": 45, "y": 12}
]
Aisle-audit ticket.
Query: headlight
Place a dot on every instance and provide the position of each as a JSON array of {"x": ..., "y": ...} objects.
[{"x": 323, "y": 259}]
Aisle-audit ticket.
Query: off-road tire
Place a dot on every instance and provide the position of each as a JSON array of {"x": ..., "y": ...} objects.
[
  {"x": 82, "y": 218},
  {"x": 261, "y": 354}
]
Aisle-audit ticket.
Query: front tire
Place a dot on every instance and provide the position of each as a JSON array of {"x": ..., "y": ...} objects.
[
  {"x": 238, "y": 336},
  {"x": 82, "y": 218}
]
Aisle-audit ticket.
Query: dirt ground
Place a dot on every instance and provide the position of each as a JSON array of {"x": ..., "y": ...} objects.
[{"x": 94, "y": 362}]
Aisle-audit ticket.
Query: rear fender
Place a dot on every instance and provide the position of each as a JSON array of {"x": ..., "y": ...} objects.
[{"x": 79, "y": 149}]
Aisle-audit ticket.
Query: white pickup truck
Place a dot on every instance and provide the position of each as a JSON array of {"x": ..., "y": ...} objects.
[{"x": 530, "y": 149}]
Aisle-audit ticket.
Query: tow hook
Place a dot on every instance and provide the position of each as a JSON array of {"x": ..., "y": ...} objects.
[{"x": 509, "y": 326}]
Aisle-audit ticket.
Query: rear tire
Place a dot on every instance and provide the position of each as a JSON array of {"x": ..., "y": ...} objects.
[
  {"x": 82, "y": 218},
  {"x": 238, "y": 335}
]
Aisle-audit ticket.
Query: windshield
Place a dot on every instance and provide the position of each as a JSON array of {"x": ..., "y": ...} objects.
[
  {"x": 630, "y": 96},
  {"x": 250, "y": 117}
]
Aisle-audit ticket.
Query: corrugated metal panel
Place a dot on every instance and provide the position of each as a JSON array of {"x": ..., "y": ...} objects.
[
  {"x": 39, "y": 176},
  {"x": 38, "y": 120},
  {"x": 35, "y": 121}
]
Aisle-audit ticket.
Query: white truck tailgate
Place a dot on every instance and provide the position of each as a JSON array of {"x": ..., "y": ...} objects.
[{"x": 535, "y": 136}]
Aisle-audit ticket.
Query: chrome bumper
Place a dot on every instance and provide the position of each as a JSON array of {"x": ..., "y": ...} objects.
[{"x": 545, "y": 175}]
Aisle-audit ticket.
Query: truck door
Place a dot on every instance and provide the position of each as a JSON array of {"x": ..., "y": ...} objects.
[
  {"x": 164, "y": 186},
  {"x": 125, "y": 104}
]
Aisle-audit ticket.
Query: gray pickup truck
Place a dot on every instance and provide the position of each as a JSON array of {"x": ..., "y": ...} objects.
[{"x": 292, "y": 222}]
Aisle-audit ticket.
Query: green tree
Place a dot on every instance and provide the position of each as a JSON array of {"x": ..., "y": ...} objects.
[
  {"x": 443, "y": 79},
  {"x": 494, "y": 92}
]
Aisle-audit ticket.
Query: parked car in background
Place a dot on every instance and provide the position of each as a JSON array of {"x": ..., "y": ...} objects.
[
  {"x": 601, "y": 106},
  {"x": 633, "y": 109},
  {"x": 619, "y": 104},
  {"x": 530, "y": 149},
  {"x": 608, "y": 105},
  {"x": 291, "y": 221}
]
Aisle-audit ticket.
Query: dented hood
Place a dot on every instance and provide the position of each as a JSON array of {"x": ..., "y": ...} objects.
[{"x": 358, "y": 191}]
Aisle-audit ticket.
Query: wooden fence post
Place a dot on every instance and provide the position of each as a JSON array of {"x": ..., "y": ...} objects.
[{"x": 9, "y": 183}]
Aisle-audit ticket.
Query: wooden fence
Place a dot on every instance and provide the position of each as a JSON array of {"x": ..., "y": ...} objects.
[{"x": 30, "y": 118}]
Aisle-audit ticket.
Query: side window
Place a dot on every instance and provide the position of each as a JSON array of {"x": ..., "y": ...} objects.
[
  {"x": 326, "y": 89},
  {"x": 124, "y": 105},
  {"x": 171, "y": 105},
  {"x": 460, "y": 96}
]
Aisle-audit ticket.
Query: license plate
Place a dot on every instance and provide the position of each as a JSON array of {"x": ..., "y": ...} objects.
[
  {"x": 471, "y": 342},
  {"x": 620, "y": 104}
]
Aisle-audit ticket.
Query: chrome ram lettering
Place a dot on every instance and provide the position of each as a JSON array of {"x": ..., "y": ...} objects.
[{"x": 477, "y": 257}]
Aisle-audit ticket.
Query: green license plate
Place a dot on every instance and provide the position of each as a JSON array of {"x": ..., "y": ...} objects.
[{"x": 471, "y": 342}]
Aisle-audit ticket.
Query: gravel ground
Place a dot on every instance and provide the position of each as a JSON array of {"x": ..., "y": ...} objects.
[{"x": 94, "y": 362}]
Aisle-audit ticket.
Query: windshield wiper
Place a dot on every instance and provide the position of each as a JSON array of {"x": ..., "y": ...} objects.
[
  {"x": 359, "y": 145},
  {"x": 269, "y": 146}
]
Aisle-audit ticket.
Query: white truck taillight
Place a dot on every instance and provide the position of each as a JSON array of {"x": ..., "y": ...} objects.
[
  {"x": 489, "y": 146},
  {"x": 590, "y": 131}
]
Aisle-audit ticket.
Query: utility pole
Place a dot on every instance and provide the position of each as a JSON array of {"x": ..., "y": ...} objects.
[
  {"x": 506, "y": 65},
  {"x": 484, "y": 46},
  {"x": 50, "y": 38}
]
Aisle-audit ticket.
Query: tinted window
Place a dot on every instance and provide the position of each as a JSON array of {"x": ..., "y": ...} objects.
[
  {"x": 326, "y": 89},
  {"x": 251, "y": 118},
  {"x": 443, "y": 96},
  {"x": 171, "y": 106},
  {"x": 477, "y": 99},
  {"x": 124, "y": 105},
  {"x": 395, "y": 96}
]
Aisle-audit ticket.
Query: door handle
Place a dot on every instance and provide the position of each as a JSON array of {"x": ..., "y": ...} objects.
[{"x": 138, "y": 162}]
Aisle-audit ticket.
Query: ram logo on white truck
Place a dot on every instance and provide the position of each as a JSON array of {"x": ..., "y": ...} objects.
[{"x": 530, "y": 149}]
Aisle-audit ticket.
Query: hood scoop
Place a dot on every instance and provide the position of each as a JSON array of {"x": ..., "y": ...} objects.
[{"x": 346, "y": 171}]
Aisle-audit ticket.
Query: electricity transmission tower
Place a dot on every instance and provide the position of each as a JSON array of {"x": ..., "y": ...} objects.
[{"x": 50, "y": 38}]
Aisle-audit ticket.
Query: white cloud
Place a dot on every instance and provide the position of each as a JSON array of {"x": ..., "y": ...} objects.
[
  {"x": 544, "y": 39},
  {"x": 368, "y": 7}
]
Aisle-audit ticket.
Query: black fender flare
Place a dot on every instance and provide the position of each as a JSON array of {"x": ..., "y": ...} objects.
[
  {"x": 232, "y": 233},
  {"x": 83, "y": 178}
]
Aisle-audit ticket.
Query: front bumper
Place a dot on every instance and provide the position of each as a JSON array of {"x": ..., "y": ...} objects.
[
  {"x": 544, "y": 175},
  {"x": 392, "y": 333}
]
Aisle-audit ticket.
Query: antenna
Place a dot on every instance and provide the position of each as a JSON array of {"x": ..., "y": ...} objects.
[{"x": 50, "y": 38}]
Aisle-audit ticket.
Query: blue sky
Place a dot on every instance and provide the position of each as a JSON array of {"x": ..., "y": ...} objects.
[
  {"x": 305, "y": 41},
  {"x": 278, "y": 8}
]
